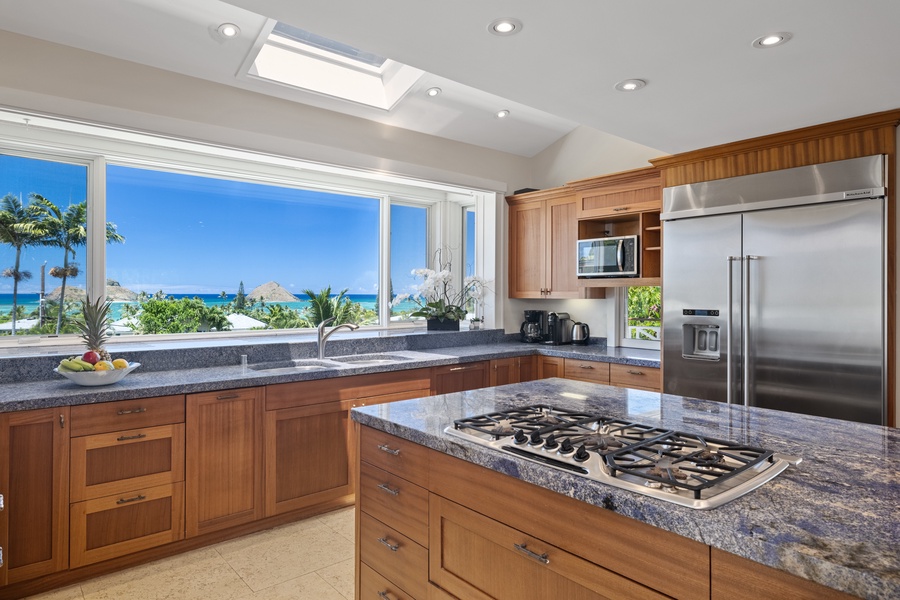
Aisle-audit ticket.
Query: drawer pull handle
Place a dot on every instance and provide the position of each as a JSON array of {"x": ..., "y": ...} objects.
[
  {"x": 586, "y": 366},
  {"x": 632, "y": 372},
  {"x": 541, "y": 558},
  {"x": 388, "y": 449},
  {"x": 385, "y": 595},
  {"x": 2, "y": 502},
  {"x": 228, "y": 396},
  {"x": 124, "y": 438},
  {"x": 133, "y": 411},
  {"x": 390, "y": 546},
  {"x": 137, "y": 498},
  {"x": 459, "y": 368},
  {"x": 620, "y": 209},
  {"x": 384, "y": 486}
]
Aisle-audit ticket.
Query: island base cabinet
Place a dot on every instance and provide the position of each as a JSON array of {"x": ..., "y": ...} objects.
[
  {"x": 469, "y": 550},
  {"x": 34, "y": 486},
  {"x": 104, "y": 528},
  {"x": 397, "y": 558},
  {"x": 736, "y": 578}
]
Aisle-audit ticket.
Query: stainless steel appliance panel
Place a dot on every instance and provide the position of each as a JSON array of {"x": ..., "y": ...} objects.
[
  {"x": 696, "y": 276},
  {"x": 814, "y": 309}
]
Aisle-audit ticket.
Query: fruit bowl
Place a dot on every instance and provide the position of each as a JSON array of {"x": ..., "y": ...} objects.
[{"x": 89, "y": 378}]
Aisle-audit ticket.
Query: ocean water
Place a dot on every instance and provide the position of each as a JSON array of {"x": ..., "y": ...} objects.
[{"x": 32, "y": 301}]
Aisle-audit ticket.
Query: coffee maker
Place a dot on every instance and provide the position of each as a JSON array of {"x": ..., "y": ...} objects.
[
  {"x": 534, "y": 328},
  {"x": 559, "y": 329}
]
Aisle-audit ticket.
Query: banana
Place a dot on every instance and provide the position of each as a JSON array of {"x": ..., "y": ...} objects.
[
  {"x": 85, "y": 366},
  {"x": 70, "y": 365}
]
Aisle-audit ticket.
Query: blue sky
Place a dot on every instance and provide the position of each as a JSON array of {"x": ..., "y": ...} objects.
[{"x": 187, "y": 234}]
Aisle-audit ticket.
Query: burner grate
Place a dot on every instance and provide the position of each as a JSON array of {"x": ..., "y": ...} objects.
[{"x": 685, "y": 461}]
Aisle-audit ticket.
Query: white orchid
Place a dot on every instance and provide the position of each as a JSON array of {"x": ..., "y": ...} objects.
[{"x": 435, "y": 295}]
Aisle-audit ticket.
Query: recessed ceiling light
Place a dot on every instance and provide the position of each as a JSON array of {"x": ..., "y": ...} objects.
[
  {"x": 505, "y": 26},
  {"x": 434, "y": 91},
  {"x": 630, "y": 85},
  {"x": 229, "y": 30},
  {"x": 502, "y": 114},
  {"x": 771, "y": 40}
]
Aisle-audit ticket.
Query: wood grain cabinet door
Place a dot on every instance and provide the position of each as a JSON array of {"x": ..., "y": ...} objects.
[
  {"x": 307, "y": 456},
  {"x": 223, "y": 459},
  {"x": 459, "y": 378},
  {"x": 527, "y": 250},
  {"x": 34, "y": 471}
]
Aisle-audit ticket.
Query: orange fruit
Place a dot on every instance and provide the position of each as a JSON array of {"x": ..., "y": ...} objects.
[{"x": 104, "y": 365}]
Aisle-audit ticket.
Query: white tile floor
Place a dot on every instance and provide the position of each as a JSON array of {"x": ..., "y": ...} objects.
[{"x": 300, "y": 561}]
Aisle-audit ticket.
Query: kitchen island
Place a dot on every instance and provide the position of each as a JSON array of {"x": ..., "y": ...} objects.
[{"x": 832, "y": 519}]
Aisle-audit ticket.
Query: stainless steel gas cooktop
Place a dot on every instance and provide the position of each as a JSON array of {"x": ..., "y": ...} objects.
[{"x": 686, "y": 469}]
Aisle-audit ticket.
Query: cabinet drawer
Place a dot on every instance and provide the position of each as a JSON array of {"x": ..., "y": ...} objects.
[
  {"x": 306, "y": 393},
  {"x": 647, "y": 378},
  {"x": 395, "y": 455},
  {"x": 468, "y": 549},
  {"x": 104, "y": 528},
  {"x": 113, "y": 463},
  {"x": 394, "y": 501},
  {"x": 373, "y": 585},
  {"x": 89, "y": 419},
  {"x": 586, "y": 370},
  {"x": 399, "y": 559}
]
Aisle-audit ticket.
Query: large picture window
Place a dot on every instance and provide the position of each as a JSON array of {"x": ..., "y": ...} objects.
[{"x": 191, "y": 239}]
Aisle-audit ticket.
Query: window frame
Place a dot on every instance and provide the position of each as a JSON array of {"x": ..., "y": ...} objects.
[
  {"x": 96, "y": 147},
  {"x": 620, "y": 323}
]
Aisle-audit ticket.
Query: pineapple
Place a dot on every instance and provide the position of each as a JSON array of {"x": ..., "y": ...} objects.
[{"x": 94, "y": 326}]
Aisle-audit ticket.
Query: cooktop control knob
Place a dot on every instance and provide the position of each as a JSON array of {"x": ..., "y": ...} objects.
[
  {"x": 550, "y": 443},
  {"x": 581, "y": 454},
  {"x": 566, "y": 447},
  {"x": 520, "y": 437},
  {"x": 535, "y": 438}
]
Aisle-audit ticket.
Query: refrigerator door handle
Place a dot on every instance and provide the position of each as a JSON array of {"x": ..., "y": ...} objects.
[
  {"x": 746, "y": 330},
  {"x": 729, "y": 357},
  {"x": 620, "y": 255}
]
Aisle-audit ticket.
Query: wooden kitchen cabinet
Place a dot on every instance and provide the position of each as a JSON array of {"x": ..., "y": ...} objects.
[
  {"x": 308, "y": 453},
  {"x": 468, "y": 550},
  {"x": 310, "y": 448},
  {"x": 736, "y": 578},
  {"x": 642, "y": 378},
  {"x": 542, "y": 235},
  {"x": 587, "y": 370},
  {"x": 459, "y": 378},
  {"x": 126, "y": 486},
  {"x": 627, "y": 203},
  {"x": 34, "y": 484},
  {"x": 224, "y": 459},
  {"x": 550, "y": 366},
  {"x": 513, "y": 370}
]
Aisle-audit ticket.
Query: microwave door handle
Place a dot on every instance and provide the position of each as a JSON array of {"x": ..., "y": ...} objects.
[{"x": 620, "y": 255}]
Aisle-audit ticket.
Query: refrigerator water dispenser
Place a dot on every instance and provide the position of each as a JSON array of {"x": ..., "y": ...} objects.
[{"x": 701, "y": 341}]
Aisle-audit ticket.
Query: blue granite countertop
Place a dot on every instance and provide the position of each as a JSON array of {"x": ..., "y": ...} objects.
[
  {"x": 30, "y": 383},
  {"x": 832, "y": 519}
]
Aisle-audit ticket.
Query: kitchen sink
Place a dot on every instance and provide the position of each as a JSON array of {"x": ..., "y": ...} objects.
[
  {"x": 369, "y": 360},
  {"x": 301, "y": 365}
]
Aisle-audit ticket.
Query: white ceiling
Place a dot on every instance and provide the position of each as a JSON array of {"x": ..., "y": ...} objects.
[{"x": 706, "y": 84}]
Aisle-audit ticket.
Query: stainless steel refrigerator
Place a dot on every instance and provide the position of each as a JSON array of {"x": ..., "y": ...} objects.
[{"x": 774, "y": 290}]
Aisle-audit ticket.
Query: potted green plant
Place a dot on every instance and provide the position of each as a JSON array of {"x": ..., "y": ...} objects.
[{"x": 439, "y": 303}]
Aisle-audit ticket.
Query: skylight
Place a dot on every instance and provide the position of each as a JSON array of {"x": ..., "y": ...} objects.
[{"x": 293, "y": 57}]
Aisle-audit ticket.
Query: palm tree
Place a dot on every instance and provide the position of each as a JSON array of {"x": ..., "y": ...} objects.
[
  {"x": 322, "y": 306},
  {"x": 15, "y": 221},
  {"x": 67, "y": 230}
]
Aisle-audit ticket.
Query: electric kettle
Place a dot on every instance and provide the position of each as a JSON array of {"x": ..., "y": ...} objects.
[{"x": 581, "y": 333}]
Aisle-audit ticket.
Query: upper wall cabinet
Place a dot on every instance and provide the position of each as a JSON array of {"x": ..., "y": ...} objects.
[
  {"x": 542, "y": 235},
  {"x": 627, "y": 203}
]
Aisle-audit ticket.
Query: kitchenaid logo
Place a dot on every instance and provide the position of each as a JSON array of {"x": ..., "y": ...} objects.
[{"x": 858, "y": 194}]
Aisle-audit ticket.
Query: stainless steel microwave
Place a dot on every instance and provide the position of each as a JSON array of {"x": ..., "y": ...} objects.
[{"x": 608, "y": 257}]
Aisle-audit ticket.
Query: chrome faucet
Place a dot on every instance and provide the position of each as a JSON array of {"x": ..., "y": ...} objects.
[{"x": 323, "y": 337}]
